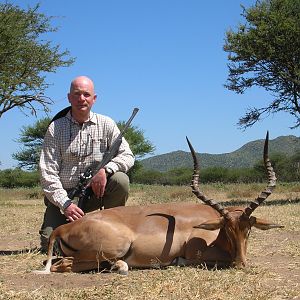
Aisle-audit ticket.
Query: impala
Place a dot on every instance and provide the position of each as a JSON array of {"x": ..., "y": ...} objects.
[{"x": 161, "y": 234}]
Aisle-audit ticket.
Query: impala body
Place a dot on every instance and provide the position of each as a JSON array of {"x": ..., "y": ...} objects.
[{"x": 160, "y": 234}]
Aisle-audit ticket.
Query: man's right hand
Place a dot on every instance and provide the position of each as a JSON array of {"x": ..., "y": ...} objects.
[{"x": 73, "y": 212}]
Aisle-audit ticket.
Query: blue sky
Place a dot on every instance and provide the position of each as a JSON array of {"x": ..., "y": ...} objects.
[{"x": 163, "y": 56}]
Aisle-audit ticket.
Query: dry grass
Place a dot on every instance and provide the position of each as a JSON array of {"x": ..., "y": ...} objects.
[{"x": 273, "y": 270}]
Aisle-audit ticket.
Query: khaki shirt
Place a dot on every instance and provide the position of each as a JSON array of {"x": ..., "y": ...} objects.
[{"x": 69, "y": 148}]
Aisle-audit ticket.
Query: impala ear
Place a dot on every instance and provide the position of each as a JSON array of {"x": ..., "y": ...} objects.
[
  {"x": 212, "y": 224},
  {"x": 263, "y": 224}
]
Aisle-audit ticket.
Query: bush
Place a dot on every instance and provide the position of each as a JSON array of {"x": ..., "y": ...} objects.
[
  {"x": 12, "y": 178},
  {"x": 147, "y": 177},
  {"x": 183, "y": 176}
]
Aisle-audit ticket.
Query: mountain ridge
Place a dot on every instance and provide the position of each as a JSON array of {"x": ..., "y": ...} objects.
[{"x": 244, "y": 157}]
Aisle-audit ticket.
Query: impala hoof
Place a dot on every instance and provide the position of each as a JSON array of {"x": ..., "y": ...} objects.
[{"x": 121, "y": 267}]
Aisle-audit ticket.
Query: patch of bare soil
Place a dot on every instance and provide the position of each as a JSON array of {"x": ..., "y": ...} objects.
[
  {"x": 14, "y": 244},
  {"x": 32, "y": 282}
]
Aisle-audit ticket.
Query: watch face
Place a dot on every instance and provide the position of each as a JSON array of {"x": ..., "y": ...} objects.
[{"x": 109, "y": 172}]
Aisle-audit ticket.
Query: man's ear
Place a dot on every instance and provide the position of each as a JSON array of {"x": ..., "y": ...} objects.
[
  {"x": 212, "y": 224},
  {"x": 263, "y": 224},
  {"x": 95, "y": 98}
]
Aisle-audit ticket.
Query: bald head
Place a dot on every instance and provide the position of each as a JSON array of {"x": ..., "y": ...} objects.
[{"x": 82, "y": 81}]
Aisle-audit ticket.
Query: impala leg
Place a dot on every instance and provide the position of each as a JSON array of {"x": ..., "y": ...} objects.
[
  {"x": 63, "y": 265},
  {"x": 213, "y": 257},
  {"x": 121, "y": 266},
  {"x": 46, "y": 269},
  {"x": 198, "y": 251}
]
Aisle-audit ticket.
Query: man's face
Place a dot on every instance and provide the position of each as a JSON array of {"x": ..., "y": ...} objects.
[{"x": 82, "y": 95}]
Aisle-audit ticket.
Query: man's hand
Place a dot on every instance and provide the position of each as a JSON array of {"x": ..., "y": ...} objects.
[
  {"x": 98, "y": 183},
  {"x": 73, "y": 212}
]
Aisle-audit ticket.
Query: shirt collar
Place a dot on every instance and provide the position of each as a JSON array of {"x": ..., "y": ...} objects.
[{"x": 92, "y": 119}]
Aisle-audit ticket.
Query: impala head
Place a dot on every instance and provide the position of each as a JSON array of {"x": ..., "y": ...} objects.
[{"x": 236, "y": 222}]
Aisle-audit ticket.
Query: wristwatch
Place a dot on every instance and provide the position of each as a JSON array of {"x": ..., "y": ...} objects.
[
  {"x": 109, "y": 172},
  {"x": 67, "y": 204}
]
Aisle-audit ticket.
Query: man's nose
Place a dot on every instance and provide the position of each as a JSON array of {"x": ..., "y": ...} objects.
[{"x": 81, "y": 97}]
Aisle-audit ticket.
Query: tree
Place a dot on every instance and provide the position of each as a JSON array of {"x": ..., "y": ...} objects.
[
  {"x": 12, "y": 178},
  {"x": 139, "y": 145},
  {"x": 25, "y": 58},
  {"x": 265, "y": 52},
  {"x": 279, "y": 164},
  {"x": 292, "y": 169},
  {"x": 32, "y": 137}
]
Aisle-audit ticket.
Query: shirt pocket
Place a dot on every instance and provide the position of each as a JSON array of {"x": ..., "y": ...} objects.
[{"x": 100, "y": 147}]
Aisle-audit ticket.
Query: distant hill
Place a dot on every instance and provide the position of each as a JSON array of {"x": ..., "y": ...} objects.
[{"x": 244, "y": 157}]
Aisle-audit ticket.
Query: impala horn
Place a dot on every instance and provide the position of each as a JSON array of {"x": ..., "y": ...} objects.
[
  {"x": 195, "y": 186},
  {"x": 271, "y": 182}
]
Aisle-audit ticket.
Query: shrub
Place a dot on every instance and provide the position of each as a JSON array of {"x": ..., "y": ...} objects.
[{"x": 12, "y": 178}]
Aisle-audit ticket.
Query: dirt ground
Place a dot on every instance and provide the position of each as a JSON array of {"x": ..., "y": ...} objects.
[
  {"x": 266, "y": 250},
  {"x": 273, "y": 258}
]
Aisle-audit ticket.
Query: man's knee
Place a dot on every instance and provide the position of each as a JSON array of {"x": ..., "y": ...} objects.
[
  {"x": 45, "y": 234},
  {"x": 117, "y": 190},
  {"x": 121, "y": 181},
  {"x": 52, "y": 219}
]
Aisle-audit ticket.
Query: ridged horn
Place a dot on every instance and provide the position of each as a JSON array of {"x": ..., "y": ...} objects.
[
  {"x": 271, "y": 181},
  {"x": 195, "y": 185}
]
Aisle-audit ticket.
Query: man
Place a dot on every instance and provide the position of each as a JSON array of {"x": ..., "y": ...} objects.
[{"x": 72, "y": 143}]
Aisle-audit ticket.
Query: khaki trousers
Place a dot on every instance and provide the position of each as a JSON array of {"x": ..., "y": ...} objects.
[{"x": 116, "y": 194}]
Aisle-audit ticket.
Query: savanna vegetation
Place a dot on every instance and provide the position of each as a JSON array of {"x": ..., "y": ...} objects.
[
  {"x": 286, "y": 168},
  {"x": 273, "y": 256}
]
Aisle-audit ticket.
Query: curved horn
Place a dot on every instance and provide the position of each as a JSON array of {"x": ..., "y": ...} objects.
[
  {"x": 271, "y": 181},
  {"x": 195, "y": 187}
]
